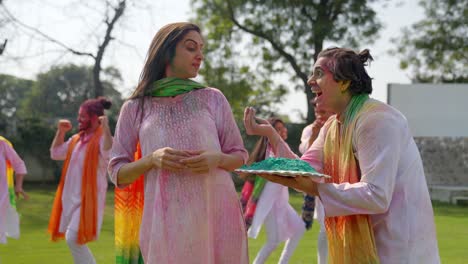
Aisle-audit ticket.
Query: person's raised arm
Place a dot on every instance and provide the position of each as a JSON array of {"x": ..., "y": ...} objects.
[
  {"x": 261, "y": 127},
  {"x": 63, "y": 127},
  {"x": 106, "y": 133}
]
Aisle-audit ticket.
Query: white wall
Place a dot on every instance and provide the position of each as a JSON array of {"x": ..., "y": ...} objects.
[{"x": 432, "y": 110}]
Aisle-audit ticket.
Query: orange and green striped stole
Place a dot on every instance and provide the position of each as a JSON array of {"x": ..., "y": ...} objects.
[
  {"x": 350, "y": 238},
  {"x": 9, "y": 177},
  {"x": 128, "y": 214}
]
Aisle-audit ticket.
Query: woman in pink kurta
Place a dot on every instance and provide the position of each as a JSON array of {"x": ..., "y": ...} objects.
[
  {"x": 189, "y": 142},
  {"x": 9, "y": 221}
]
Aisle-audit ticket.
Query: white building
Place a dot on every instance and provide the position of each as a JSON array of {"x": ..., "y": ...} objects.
[{"x": 438, "y": 118}]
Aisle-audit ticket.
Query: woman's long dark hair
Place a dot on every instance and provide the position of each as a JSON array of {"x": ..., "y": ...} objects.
[{"x": 160, "y": 54}]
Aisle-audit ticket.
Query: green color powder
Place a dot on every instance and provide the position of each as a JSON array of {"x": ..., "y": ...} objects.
[{"x": 276, "y": 164}]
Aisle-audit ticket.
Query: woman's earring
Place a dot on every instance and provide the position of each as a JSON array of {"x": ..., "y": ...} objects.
[{"x": 344, "y": 86}]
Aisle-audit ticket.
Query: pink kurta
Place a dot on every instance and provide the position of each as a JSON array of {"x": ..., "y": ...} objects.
[
  {"x": 71, "y": 197},
  {"x": 8, "y": 216},
  {"x": 187, "y": 218},
  {"x": 392, "y": 189}
]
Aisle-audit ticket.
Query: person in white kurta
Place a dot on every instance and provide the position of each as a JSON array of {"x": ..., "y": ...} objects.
[
  {"x": 90, "y": 117},
  {"x": 281, "y": 221},
  {"x": 71, "y": 199},
  {"x": 309, "y": 135},
  {"x": 392, "y": 188},
  {"x": 9, "y": 220}
]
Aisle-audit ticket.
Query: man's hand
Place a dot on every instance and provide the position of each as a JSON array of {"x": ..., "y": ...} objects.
[
  {"x": 301, "y": 183},
  {"x": 256, "y": 126},
  {"x": 104, "y": 121},
  {"x": 317, "y": 125},
  {"x": 64, "y": 125}
]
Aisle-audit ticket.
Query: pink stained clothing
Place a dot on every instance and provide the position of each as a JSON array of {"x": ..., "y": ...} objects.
[
  {"x": 306, "y": 134},
  {"x": 187, "y": 218},
  {"x": 392, "y": 189},
  {"x": 71, "y": 197},
  {"x": 319, "y": 213},
  {"x": 274, "y": 201},
  {"x": 9, "y": 226},
  {"x": 303, "y": 147}
]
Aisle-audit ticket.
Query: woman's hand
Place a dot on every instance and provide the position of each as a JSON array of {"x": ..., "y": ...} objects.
[
  {"x": 256, "y": 126},
  {"x": 169, "y": 159},
  {"x": 202, "y": 161},
  {"x": 20, "y": 192}
]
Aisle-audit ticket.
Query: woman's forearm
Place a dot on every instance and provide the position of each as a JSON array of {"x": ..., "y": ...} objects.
[
  {"x": 130, "y": 172},
  {"x": 230, "y": 162}
]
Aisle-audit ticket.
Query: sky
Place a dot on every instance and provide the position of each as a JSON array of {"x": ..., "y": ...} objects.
[{"x": 74, "y": 24}]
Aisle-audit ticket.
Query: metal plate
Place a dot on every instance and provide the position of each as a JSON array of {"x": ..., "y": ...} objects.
[{"x": 284, "y": 173}]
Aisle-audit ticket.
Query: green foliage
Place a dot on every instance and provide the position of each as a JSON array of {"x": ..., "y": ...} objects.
[
  {"x": 13, "y": 91},
  {"x": 435, "y": 49},
  {"x": 59, "y": 92},
  {"x": 281, "y": 38},
  {"x": 34, "y": 136},
  {"x": 30, "y": 109}
]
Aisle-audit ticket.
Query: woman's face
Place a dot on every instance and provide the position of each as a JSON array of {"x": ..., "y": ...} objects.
[
  {"x": 282, "y": 130},
  {"x": 188, "y": 57},
  {"x": 328, "y": 92}
]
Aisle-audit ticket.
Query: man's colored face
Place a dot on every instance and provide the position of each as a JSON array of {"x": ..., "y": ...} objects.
[
  {"x": 84, "y": 120},
  {"x": 326, "y": 89}
]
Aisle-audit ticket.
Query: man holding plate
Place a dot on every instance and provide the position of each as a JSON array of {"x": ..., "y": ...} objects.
[{"x": 376, "y": 203}]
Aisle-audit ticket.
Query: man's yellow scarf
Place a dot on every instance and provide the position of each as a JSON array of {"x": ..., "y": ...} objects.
[
  {"x": 87, "y": 230},
  {"x": 350, "y": 238}
]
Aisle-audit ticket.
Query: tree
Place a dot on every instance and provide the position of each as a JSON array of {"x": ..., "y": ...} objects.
[
  {"x": 59, "y": 92},
  {"x": 281, "y": 34},
  {"x": 435, "y": 49},
  {"x": 13, "y": 91},
  {"x": 29, "y": 109},
  {"x": 240, "y": 86},
  {"x": 114, "y": 10},
  {"x": 3, "y": 22}
]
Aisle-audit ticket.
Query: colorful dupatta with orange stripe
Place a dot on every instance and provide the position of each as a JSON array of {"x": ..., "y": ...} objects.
[
  {"x": 10, "y": 178},
  {"x": 350, "y": 238},
  {"x": 128, "y": 214},
  {"x": 87, "y": 230}
]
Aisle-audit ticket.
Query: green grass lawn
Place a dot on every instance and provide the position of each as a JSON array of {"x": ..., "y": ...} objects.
[{"x": 34, "y": 247}]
